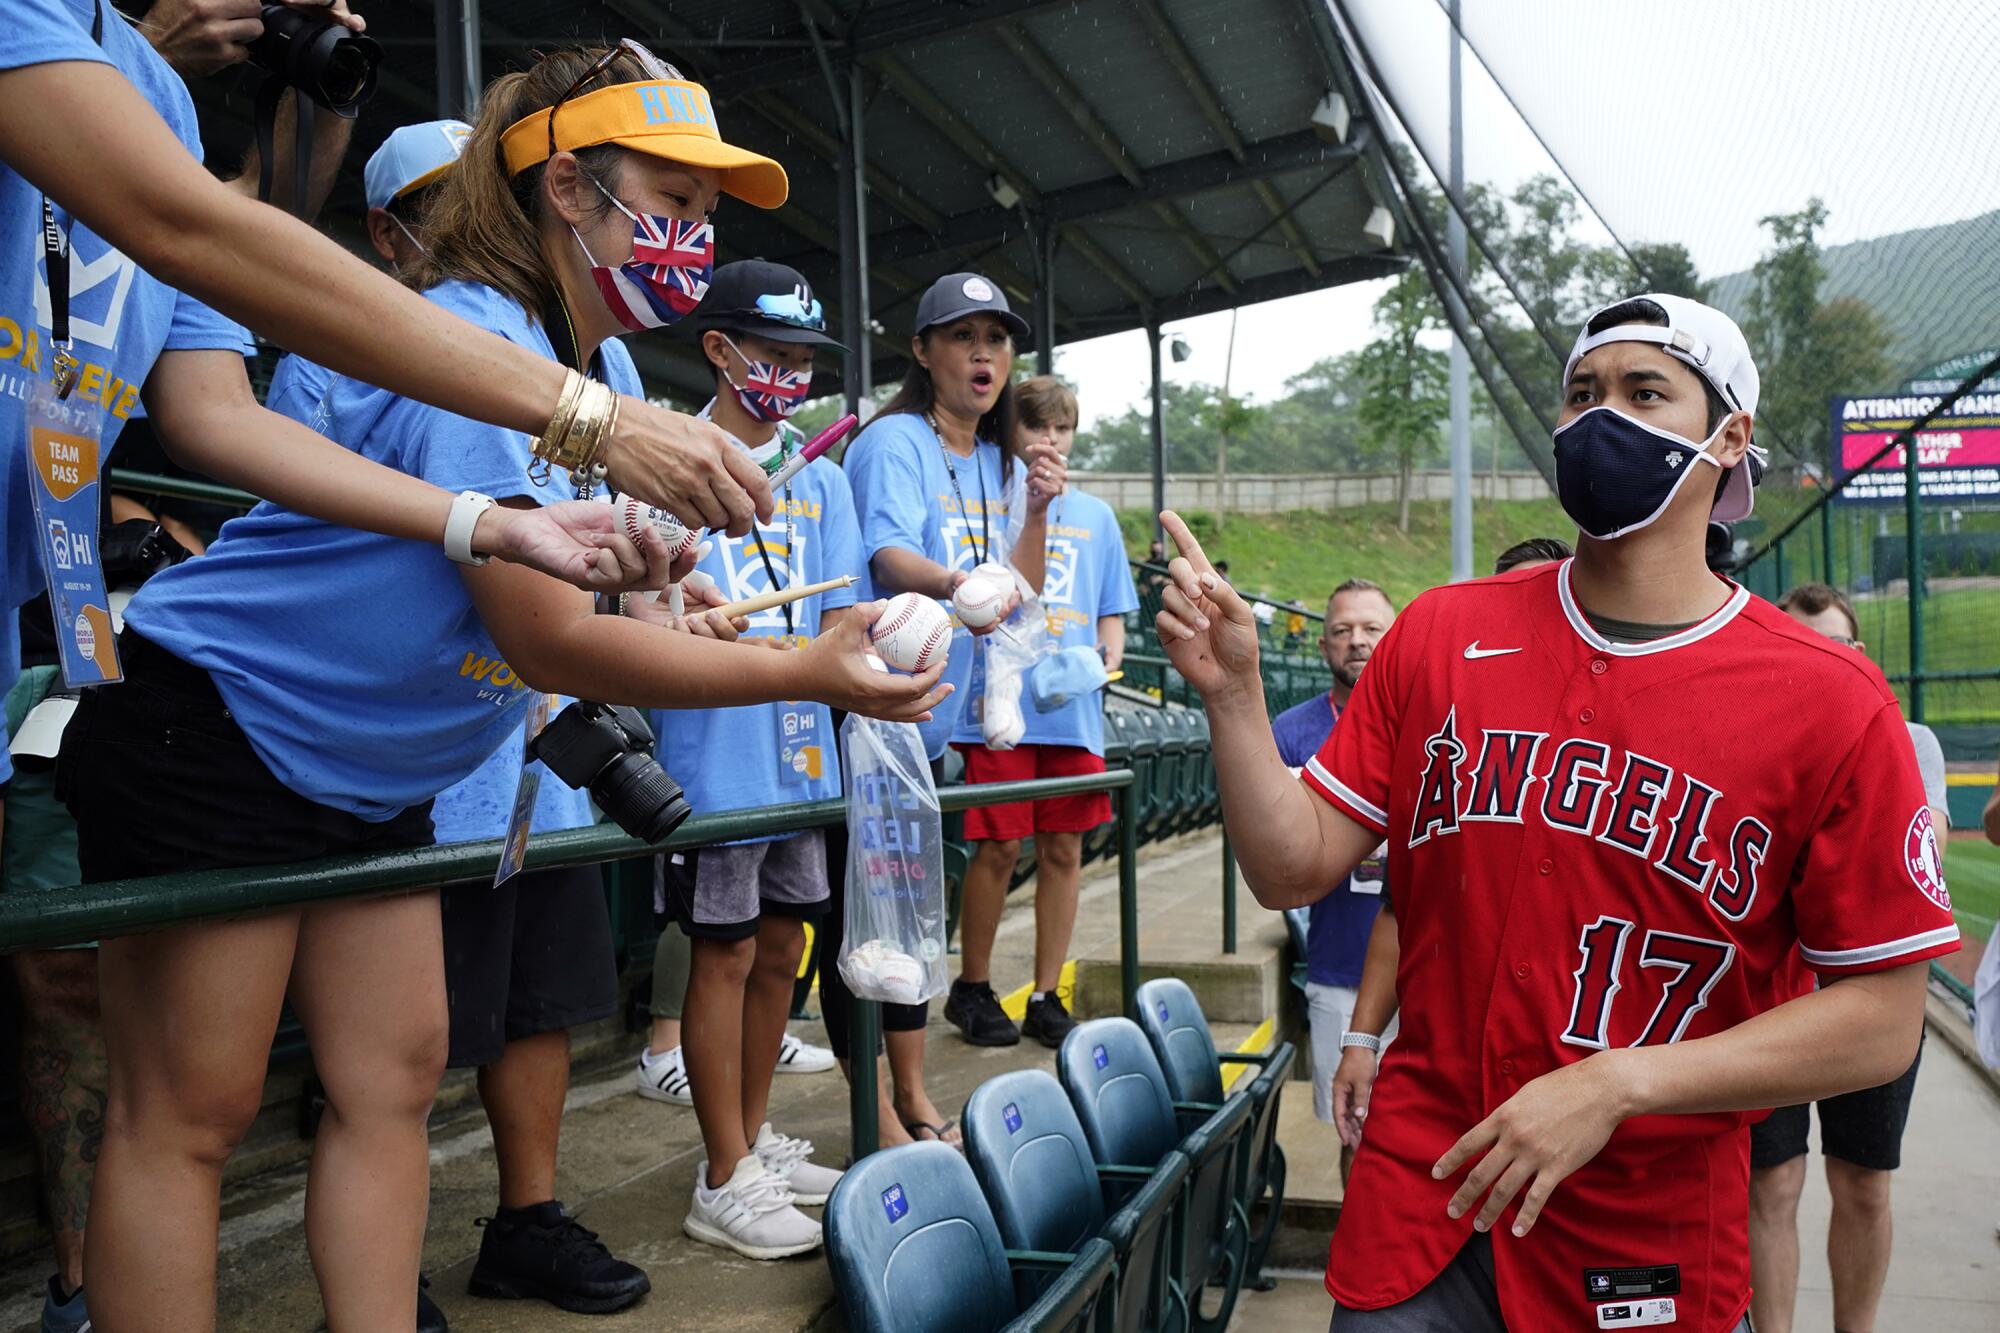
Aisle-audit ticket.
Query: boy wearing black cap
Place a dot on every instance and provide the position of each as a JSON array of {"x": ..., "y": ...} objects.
[{"x": 744, "y": 904}]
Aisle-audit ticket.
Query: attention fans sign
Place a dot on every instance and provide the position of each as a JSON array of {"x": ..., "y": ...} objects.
[{"x": 1958, "y": 451}]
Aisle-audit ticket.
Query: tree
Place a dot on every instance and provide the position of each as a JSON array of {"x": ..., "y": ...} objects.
[{"x": 1404, "y": 395}]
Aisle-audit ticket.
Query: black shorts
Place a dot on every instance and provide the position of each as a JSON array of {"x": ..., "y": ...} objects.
[
  {"x": 160, "y": 778},
  {"x": 1862, "y": 1128},
  {"x": 531, "y": 956}
]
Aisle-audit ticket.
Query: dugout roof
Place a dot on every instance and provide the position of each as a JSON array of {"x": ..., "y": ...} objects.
[{"x": 1163, "y": 149}]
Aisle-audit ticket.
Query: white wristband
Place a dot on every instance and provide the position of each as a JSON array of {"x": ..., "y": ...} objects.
[
  {"x": 466, "y": 507},
  {"x": 1367, "y": 1041}
]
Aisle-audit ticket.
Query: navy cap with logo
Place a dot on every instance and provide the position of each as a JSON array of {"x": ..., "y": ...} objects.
[
  {"x": 770, "y": 300},
  {"x": 956, "y": 295}
]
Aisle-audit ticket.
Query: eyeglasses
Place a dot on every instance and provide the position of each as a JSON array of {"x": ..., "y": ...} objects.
[
  {"x": 655, "y": 68},
  {"x": 792, "y": 309}
]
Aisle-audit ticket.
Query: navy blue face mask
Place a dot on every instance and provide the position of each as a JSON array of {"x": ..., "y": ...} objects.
[{"x": 1616, "y": 475}]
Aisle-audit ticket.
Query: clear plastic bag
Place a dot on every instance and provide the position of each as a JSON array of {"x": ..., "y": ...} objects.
[{"x": 895, "y": 865}]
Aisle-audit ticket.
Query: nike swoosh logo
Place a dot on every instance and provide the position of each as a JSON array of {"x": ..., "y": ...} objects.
[{"x": 1473, "y": 652}]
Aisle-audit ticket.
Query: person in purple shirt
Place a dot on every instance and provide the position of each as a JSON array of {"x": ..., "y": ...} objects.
[{"x": 1357, "y": 616}]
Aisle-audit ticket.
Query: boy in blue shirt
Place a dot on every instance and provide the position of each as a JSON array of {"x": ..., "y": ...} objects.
[
  {"x": 1357, "y": 616},
  {"x": 1086, "y": 593},
  {"x": 744, "y": 904}
]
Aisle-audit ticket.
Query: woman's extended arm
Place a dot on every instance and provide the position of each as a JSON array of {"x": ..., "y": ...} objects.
[
  {"x": 84, "y": 134},
  {"x": 201, "y": 406}
]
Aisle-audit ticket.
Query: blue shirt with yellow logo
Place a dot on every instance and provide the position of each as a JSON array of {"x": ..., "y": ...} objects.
[
  {"x": 1086, "y": 576},
  {"x": 775, "y": 753},
  {"x": 357, "y": 664},
  {"x": 904, "y": 494},
  {"x": 121, "y": 318}
]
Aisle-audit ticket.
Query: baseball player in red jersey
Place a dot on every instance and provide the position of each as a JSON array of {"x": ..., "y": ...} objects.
[{"x": 1623, "y": 800}]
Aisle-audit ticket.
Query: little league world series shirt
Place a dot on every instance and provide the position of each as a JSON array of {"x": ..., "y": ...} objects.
[
  {"x": 906, "y": 499},
  {"x": 1595, "y": 844},
  {"x": 775, "y": 753},
  {"x": 1086, "y": 575},
  {"x": 121, "y": 318}
]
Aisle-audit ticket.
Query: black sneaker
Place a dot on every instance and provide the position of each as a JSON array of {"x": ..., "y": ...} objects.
[
  {"x": 430, "y": 1319},
  {"x": 1047, "y": 1021},
  {"x": 544, "y": 1254},
  {"x": 975, "y": 1010}
]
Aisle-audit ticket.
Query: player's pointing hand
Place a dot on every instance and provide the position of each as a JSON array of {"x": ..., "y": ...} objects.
[
  {"x": 1536, "y": 1138},
  {"x": 1207, "y": 630}
]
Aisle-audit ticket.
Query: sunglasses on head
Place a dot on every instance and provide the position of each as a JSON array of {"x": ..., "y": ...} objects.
[
  {"x": 790, "y": 309},
  {"x": 656, "y": 69}
]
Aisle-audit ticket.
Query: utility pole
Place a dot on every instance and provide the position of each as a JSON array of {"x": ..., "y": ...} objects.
[
  {"x": 1222, "y": 436},
  {"x": 1461, "y": 366}
]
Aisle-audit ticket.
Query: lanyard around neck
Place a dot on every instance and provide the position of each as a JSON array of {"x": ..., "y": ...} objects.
[{"x": 951, "y": 467}]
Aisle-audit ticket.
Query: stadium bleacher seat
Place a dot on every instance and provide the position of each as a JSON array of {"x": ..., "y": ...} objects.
[
  {"x": 1047, "y": 1193},
  {"x": 1174, "y": 1024},
  {"x": 1120, "y": 1095},
  {"x": 914, "y": 1249}
]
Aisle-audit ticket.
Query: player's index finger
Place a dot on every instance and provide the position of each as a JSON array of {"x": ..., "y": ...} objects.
[{"x": 1184, "y": 542}]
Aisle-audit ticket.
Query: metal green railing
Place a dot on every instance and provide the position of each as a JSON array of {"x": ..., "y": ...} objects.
[{"x": 122, "y": 907}]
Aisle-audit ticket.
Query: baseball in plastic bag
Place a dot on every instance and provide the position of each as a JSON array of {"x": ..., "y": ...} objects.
[{"x": 895, "y": 865}]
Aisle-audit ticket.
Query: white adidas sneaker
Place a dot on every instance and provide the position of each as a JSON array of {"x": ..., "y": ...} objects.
[
  {"x": 665, "y": 1079},
  {"x": 786, "y": 1157},
  {"x": 802, "y": 1057},
  {"x": 752, "y": 1213}
]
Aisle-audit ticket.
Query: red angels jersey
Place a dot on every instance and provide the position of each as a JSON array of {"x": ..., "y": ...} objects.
[{"x": 1595, "y": 844}]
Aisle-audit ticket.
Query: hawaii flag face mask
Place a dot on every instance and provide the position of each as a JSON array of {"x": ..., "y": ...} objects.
[
  {"x": 769, "y": 391},
  {"x": 667, "y": 275}
]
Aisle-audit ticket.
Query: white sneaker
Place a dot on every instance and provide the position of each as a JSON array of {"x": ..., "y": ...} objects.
[
  {"x": 786, "y": 1157},
  {"x": 665, "y": 1079},
  {"x": 802, "y": 1057},
  {"x": 751, "y": 1214}
]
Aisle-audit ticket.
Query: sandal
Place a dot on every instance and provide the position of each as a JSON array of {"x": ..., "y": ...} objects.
[{"x": 918, "y": 1128}]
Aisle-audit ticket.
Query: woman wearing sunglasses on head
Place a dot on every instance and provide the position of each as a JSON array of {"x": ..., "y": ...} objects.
[{"x": 307, "y": 689}]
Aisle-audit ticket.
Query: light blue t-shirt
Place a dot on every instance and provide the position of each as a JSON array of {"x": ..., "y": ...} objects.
[
  {"x": 903, "y": 492},
  {"x": 1086, "y": 576},
  {"x": 120, "y": 317},
  {"x": 775, "y": 753},
  {"x": 355, "y": 663},
  {"x": 482, "y": 805}
]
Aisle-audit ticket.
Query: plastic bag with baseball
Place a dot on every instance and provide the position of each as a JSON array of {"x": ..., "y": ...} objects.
[
  {"x": 895, "y": 865},
  {"x": 1019, "y": 642}
]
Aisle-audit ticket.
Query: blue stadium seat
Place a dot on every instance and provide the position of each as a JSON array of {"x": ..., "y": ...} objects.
[
  {"x": 1027, "y": 1149},
  {"x": 1178, "y": 1030},
  {"x": 914, "y": 1249},
  {"x": 1120, "y": 1094}
]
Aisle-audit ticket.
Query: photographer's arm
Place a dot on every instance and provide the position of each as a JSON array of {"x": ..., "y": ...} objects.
[
  {"x": 552, "y": 640},
  {"x": 83, "y": 133}
]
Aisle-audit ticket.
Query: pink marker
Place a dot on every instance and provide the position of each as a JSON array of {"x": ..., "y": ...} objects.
[{"x": 816, "y": 446}]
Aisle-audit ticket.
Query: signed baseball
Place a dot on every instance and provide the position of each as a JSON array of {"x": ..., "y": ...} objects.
[
  {"x": 978, "y": 602},
  {"x": 912, "y": 633},
  {"x": 634, "y": 513}
]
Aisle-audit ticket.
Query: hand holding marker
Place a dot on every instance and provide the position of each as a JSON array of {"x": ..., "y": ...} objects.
[{"x": 680, "y": 539}]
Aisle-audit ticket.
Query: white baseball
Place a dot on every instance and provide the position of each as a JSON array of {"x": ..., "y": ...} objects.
[
  {"x": 978, "y": 602},
  {"x": 912, "y": 632},
  {"x": 999, "y": 575},
  {"x": 633, "y": 513}
]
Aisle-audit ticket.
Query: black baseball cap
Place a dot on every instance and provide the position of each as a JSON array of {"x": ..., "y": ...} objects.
[
  {"x": 757, "y": 296},
  {"x": 956, "y": 295}
]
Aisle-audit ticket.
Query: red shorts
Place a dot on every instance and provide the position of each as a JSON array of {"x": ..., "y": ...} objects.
[{"x": 1061, "y": 814}]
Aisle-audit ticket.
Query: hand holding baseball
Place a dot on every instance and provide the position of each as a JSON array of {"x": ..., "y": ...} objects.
[
  {"x": 835, "y": 671},
  {"x": 1207, "y": 630},
  {"x": 577, "y": 541}
]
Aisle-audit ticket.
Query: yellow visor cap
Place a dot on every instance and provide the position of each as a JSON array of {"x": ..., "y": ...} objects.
[{"x": 669, "y": 119}]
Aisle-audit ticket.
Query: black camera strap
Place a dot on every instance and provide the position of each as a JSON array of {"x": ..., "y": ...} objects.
[
  {"x": 303, "y": 115},
  {"x": 55, "y": 250}
]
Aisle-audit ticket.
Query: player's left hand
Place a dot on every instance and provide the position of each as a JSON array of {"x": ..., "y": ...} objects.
[
  {"x": 1535, "y": 1139},
  {"x": 579, "y": 542}
]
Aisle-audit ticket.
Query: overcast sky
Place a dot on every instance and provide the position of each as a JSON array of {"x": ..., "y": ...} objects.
[{"x": 1684, "y": 122}]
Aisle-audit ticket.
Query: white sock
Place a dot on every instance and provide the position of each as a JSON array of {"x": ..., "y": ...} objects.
[
  {"x": 1038, "y": 997},
  {"x": 647, "y": 1059}
]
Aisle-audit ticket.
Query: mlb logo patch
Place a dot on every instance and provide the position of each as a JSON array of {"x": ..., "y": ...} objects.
[
  {"x": 1010, "y": 1115},
  {"x": 894, "y": 1204},
  {"x": 1600, "y": 1285},
  {"x": 1100, "y": 1057}
]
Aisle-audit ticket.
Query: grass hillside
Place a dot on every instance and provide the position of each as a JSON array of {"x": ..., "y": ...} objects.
[{"x": 1306, "y": 553}]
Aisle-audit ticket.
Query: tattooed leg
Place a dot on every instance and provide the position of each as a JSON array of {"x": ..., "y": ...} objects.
[{"x": 62, "y": 1088}]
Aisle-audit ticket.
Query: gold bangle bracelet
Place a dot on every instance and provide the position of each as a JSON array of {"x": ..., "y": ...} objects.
[
  {"x": 551, "y": 447},
  {"x": 594, "y": 414}
]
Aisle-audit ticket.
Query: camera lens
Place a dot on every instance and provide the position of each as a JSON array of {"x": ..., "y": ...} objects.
[
  {"x": 641, "y": 797},
  {"x": 346, "y": 75}
]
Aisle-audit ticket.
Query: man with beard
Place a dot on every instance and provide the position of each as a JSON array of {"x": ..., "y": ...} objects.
[{"x": 1357, "y": 616}]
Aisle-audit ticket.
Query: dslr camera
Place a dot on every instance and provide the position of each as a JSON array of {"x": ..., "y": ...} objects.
[
  {"x": 609, "y": 749},
  {"x": 324, "y": 61}
]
